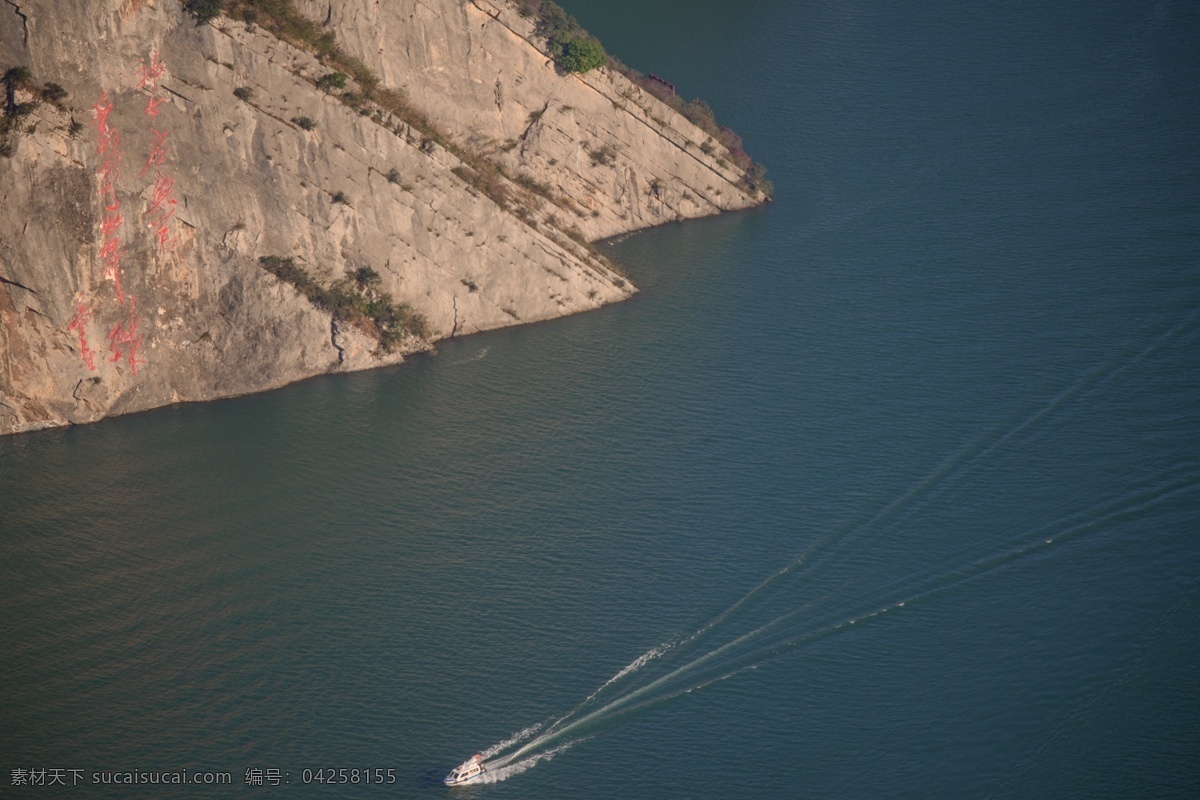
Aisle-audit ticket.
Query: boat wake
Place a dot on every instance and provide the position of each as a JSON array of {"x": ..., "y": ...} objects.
[
  {"x": 515, "y": 739},
  {"x": 813, "y": 597},
  {"x": 507, "y": 769}
]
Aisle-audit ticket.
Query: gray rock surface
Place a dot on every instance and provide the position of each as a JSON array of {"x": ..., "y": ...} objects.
[
  {"x": 133, "y": 283},
  {"x": 477, "y": 69}
]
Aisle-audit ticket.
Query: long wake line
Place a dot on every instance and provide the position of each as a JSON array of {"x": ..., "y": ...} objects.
[
  {"x": 750, "y": 649},
  {"x": 970, "y": 455},
  {"x": 711, "y": 668}
]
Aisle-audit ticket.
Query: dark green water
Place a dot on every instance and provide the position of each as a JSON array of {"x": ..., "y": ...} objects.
[{"x": 898, "y": 479}]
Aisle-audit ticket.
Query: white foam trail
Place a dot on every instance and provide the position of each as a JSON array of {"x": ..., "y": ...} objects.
[
  {"x": 838, "y": 537},
  {"x": 513, "y": 764},
  {"x": 945, "y": 583},
  {"x": 835, "y": 541},
  {"x": 616, "y": 705},
  {"x": 1065, "y": 525},
  {"x": 516, "y": 738},
  {"x": 554, "y": 732},
  {"x": 1073, "y": 524},
  {"x": 990, "y": 564},
  {"x": 633, "y": 666},
  {"x": 504, "y": 771},
  {"x": 964, "y": 458},
  {"x": 693, "y": 688},
  {"x": 1098, "y": 378},
  {"x": 629, "y": 669}
]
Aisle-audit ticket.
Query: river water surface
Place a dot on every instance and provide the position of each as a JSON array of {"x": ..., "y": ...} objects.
[{"x": 890, "y": 489}]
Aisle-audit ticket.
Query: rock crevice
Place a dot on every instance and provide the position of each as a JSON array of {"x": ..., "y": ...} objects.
[{"x": 24, "y": 19}]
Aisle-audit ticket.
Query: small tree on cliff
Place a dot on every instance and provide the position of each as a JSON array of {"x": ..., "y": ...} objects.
[
  {"x": 581, "y": 54},
  {"x": 203, "y": 10},
  {"x": 15, "y": 78},
  {"x": 566, "y": 41}
]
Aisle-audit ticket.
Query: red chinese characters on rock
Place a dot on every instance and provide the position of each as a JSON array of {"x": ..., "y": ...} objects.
[
  {"x": 160, "y": 211},
  {"x": 83, "y": 315},
  {"x": 100, "y": 112},
  {"x": 152, "y": 105},
  {"x": 126, "y": 333},
  {"x": 108, "y": 145},
  {"x": 158, "y": 149},
  {"x": 111, "y": 251},
  {"x": 148, "y": 74},
  {"x": 125, "y": 338}
]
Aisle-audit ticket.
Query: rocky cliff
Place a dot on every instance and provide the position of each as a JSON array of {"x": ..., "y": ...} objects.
[{"x": 198, "y": 211}]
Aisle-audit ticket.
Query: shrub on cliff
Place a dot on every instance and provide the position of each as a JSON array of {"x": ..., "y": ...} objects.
[
  {"x": 14, "y": 78},
  {"x": 203, "y": 10},
  {"x": 356, "y": 299},
  {"x": 287, "y": 270},
  {"x": 367, "y": 279},
  {"x": 581, "y": 54},
  {"x": 566, "y": 41},
  {"x": 53, "y": 93},
  {"x": 10, "y": 120},
  {"x": 603, "y": 156},
  {"x": 334, "y": 80},
  {"x": 755, "y": 180}
]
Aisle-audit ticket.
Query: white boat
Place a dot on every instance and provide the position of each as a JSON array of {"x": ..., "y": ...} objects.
[{"x": 467, "y": 771}]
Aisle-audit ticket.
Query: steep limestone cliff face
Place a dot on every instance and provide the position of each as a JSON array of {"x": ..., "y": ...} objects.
[
  {"x": 476, "y": 67},
  {"x": 136, "y": 209}
]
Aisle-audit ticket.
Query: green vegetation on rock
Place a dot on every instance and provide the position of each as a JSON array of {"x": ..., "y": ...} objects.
[
  {"x": 14, "y": 78},
  {"x": 334, "y": 80},
  {"x": 356, "y": 299},
  {"x": 575, "y": 50},
  {"x": 582, "y": 54},
  {"x": 13, "y": 112},
  {"x": 53, "y": 93},
  {"x": 571, "y": 47},
  {"x": 203, "y": 10}
]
